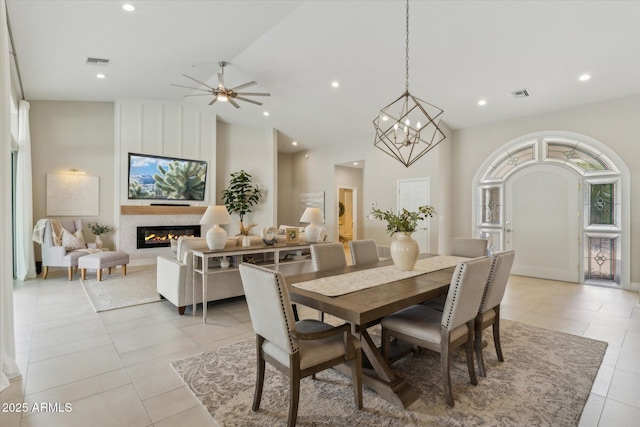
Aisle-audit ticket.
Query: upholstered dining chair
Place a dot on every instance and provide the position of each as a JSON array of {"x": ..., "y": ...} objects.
[
  {"x": 327, "y": 256},
  {"x": 297, "y": 349},
  {"x": 470, "y": 248},
  {"x": 463, "y": 247},
  {"x": 363, "y": 251},
  {"x": 489, "y": 311},
  {"x": 445, "y": 331}
]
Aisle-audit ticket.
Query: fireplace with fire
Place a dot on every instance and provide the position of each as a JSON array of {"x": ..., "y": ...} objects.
[{"x": 157, "y": 236}]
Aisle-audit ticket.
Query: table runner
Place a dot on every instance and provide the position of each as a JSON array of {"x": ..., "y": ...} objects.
[{"x": 342, "y": 284}]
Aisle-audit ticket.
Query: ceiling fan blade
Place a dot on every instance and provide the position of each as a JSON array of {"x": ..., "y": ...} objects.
[
  {"x": 221, "y": 81},
  {"x": 189, "y": 87},
  {"x": 253, "y": 94},
  {"x": 248, "y": 100},
  {"x": 198, "y": 81},
  {"x": 215, "y": 98},
  {"x": 234, "y": 103},
  {"x": 243, "y": 86},
  {"x": 198, "y": 94}
]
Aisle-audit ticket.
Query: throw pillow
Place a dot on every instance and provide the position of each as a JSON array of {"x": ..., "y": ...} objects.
[{"x": 74, "y": 241}]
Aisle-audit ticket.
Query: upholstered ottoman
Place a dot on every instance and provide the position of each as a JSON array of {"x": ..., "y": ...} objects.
[{"x": 101, "y": 260}]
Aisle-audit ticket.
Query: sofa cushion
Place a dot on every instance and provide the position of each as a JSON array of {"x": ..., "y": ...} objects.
[
  {"x": 73, "y": 241},
  {"x": 187, "y": 244}
]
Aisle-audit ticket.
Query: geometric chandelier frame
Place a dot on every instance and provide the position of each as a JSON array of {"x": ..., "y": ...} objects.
[{"x": 407, "y": 128}]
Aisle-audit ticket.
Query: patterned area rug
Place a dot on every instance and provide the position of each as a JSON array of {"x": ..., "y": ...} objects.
[
  {"x": 117, "y": 291},
  {"x": 545, "y": 381}
]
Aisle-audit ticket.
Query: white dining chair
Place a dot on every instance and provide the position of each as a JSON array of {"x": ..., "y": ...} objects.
[
  {"x": 445, "y": 331},
  {"x": 297, "y": 349},
  {"x": 363, "y": 252},
  {"x": 489, "y": 311}
]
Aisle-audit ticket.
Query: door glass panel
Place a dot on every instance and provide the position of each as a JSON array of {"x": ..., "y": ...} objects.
[
  {"x": 601, "y": 204},
  {"x": 601, "y": 260},
  {"x": 494, "y": 240},
  {"x": 491, "y": 206}
]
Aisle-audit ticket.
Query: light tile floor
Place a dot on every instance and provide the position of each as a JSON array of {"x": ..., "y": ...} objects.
[{"x": 113, "y": 367}]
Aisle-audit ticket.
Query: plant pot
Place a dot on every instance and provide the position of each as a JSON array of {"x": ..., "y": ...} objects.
[
  {"x": 246, "y": 241},
  {"x": 404, "y": 251}
]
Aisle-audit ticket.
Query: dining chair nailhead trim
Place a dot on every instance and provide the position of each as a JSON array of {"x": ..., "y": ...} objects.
[
  {"x": 455, "y": 294},
  {"x": 494, "y": 263}
]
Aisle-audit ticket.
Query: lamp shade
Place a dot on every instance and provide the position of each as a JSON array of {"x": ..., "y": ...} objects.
[
  {"x": 312, "y": 215},
  {"x": 216, "y": 215},
  {"x": 216, "y": 236}
]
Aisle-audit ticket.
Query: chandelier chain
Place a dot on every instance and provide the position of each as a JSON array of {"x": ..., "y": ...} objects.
[{"x": 407, "y": 50}]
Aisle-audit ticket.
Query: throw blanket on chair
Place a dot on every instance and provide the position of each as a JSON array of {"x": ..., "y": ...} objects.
[{"x": 56, "y": 231}]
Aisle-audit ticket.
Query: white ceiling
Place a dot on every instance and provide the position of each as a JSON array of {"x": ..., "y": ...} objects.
[{"x": 460, "y": 52}]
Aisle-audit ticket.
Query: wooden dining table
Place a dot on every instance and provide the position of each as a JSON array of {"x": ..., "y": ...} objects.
[{"x": 365, "y": 308}]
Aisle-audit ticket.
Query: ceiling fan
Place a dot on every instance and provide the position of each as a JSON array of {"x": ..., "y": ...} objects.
[{"x": 223, "y": 94}]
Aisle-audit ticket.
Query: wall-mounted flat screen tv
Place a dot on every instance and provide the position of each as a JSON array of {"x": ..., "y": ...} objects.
[{"x": 166, "y": 178}]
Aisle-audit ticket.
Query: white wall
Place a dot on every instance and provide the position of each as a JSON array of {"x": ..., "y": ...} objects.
[
  {"x": 73, "y": 135},
  {"x": 381, "y": 175},
  {"x": 615, "y": 123},
  {"x": 287, "y": 211},
  {"x": 253, "y": 150},
  {"x": 166, "y": 128}
]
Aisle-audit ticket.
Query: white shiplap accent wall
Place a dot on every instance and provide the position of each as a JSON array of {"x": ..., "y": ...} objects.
[{"x": 165, "y": 128}]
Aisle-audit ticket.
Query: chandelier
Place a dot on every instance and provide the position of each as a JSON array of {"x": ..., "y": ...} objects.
[{"x": 407, "y": 128}]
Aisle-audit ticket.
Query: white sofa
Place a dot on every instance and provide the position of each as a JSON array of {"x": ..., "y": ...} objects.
[{"x": 174, "y": 276}]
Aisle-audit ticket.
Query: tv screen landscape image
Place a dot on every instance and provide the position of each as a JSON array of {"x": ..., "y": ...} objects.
[{"x": 166, "y": 178}]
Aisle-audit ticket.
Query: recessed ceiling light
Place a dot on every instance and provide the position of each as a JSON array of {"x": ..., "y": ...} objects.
[
  {"x": 100, "y": 76},
  {"x": 128, "y": 7},
  {"x": 335, "y": 84},
  {"x": 355, "y": 163},
  {"x": 385, "y": 118},
  {"x": 294, "y": 143},
  {"x": 482, "y": 102},
  {"x": 265, "y": 113},
  {"x": 584, "y": 77}
]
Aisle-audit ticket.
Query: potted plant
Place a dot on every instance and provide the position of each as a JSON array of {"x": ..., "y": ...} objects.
[
  {"x": 404, "y": 250},
  {"x": 99, "y": 230},
  {"x": 239, "y": 197}
]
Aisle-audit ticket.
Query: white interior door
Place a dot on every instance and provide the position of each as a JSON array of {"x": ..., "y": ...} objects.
[
  {"x": 413, "y": 193},
  {"x": 542, "y": 222}
]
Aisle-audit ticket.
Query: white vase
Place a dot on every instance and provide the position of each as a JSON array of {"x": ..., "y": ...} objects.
[
  {"x": 246, "y": 241},
  {"x": 98, "y": 242},
  {"x": 404, "y": 251},
  {"x": 224, "y": 262}
]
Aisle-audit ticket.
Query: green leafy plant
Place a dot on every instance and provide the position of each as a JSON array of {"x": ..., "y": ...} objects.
[
  {"x": 181, "y": 180},
  {"x": 241, "y": 194},
  {"x": 98, "y": 229},
  {"x": 404, "y": 221},
  {"x": 137, "y": 191}
]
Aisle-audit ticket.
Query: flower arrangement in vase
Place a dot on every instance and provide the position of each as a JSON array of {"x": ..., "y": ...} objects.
[
  {"x": 99, "y": 230},
  {"x": 404, "y": 250}
]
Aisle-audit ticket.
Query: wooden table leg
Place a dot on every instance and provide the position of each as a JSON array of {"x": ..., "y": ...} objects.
[{"x": 381, "y": 378}]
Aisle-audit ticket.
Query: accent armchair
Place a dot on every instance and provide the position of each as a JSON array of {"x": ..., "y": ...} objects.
[{"x": 58, "y": 255}]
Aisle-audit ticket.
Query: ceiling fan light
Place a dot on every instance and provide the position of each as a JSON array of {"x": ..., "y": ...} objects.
[{"x": 222, "y": 98}]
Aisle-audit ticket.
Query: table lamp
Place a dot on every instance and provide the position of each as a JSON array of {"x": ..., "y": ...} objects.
[
  {"x": 314, "y": 217},
  {"x": 216, "y": 236}
]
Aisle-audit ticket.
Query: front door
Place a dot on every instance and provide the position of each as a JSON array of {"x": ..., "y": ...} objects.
[{"x": 542, "y": 222}]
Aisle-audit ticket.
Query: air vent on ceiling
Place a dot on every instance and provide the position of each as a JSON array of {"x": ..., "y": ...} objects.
[
  {"x": 523, "y": 93},
  {"x": 100, "y": 62}
]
